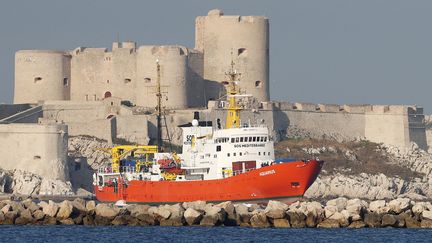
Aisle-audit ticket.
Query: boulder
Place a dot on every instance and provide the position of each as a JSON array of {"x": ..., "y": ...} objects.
[
  {"x": 401, "y": 219},
  {"x": 29, "y": 204},
  {"x": 6, "y": 208},
  {"x": 389, "y": 220},
  {"x": 315, "y": 208},
  {"x": 65, "y": 210},
  {"x": 373, "y": 220},
  {"x": 374, "y": 206},
  {"x": 356, "y": 208},
  {"x": 91, "y": 205},
  {"x": 161, "y": 212},
  {"x": 196, "y": 205},
  {"x": 399, "y": 205},
  {"x": 329, "y": 223},
  {"x": 136, "y": 210},
  {"x": 426, "y": 223},
  {"x": 340, "y": 203},
  {"x": 88, "y": 220},
  {"x": 357, "y": 225},
  {"x": 50, "y": 208},
  {"x": 231, "y": 216},
  {"x": 79, "y": 206},
  {"x": 192, "y": 216},
  {"x": 106, "y": 211},
  {"x": 427, "y": 214},
  {"x": 297, "y": 219},
  {"x": 330, "y": 210},
  {"x": 341, "y": 218},
  {"x": 67, "y": 221},
  {"x": 214, "y": 215},
  {"x": 281, "y": 223},
  {"x": 259, "y": 220},
  {"x": 10, "y": 217},
  {"x": 146, "y": 219},
  {"x": 412, "y": 223},
  {"x": 38, "y": 215},
  {"x": 48, "y": 220},
  {"x": 312, "y": 220}
]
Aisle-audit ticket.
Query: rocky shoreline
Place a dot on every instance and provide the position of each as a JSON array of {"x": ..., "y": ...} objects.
[{"x": 336, "y": 213}]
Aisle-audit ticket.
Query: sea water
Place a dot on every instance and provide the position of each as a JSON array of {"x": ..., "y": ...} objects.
[{"x": 206, "y": 234}]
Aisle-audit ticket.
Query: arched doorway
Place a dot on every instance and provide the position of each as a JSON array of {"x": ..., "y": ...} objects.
[{"x": 107, "y": 94}]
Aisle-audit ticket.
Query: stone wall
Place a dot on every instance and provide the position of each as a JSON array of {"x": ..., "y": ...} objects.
[{"x": 40, "y": 149}]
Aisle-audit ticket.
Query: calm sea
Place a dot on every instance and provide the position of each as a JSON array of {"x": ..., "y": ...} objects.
[{"x": 200, "y": 234}]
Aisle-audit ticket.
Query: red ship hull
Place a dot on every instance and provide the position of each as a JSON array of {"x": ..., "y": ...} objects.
[{"x": 285, "y": 182}]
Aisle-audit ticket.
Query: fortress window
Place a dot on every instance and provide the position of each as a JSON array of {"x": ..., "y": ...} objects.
[
  {"x": 37, "y": 79},
  {"x": 258, "y": 84},
  {"x": 106, "y": 95},
  {"x": 147, "y": 80},
  {"x": 36, "y": 157},
  {"x": 107, "y": 81},
  {"x": 242, "y": 52},
  {"x": 65, "y": 81},
  {"x": 127, "y": 80}
]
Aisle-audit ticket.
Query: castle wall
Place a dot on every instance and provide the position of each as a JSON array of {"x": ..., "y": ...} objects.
[
  {"x": 40, "y": 149},
  {"x": 247, "y": 37},
  {"x": 42, "y": 75}
]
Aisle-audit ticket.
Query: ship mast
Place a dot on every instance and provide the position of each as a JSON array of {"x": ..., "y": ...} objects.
[
  {"x": 233, "y": 110},
  {"x": 159, "y": 108}
]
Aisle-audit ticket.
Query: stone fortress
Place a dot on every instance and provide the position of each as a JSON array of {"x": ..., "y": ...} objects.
[{"x": 110, "y": 95}]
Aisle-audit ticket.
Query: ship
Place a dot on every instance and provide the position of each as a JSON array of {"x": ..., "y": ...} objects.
[{"x": 234, "y": 162}]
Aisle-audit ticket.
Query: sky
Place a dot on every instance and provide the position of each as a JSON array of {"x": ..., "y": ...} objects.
[{"x": 333, "y": 51}]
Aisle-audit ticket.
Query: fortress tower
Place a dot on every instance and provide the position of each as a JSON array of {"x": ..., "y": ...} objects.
[
  {"x": 41, "y": 75},
  {"x": 173, "y": 75},
  {"x": 243, "y": 39}
]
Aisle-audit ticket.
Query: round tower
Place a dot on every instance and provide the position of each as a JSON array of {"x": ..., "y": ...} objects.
[
  {"x": 41, "y": 75},
  {"x": 173, "y": 76},
  {"x": 242, "y": 39}
]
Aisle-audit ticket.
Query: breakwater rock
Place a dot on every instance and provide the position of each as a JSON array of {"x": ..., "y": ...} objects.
[{"x": 340, "y": 212}]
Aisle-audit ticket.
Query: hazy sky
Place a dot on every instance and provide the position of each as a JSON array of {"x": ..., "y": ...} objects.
[{"x": 363, "y": 51}]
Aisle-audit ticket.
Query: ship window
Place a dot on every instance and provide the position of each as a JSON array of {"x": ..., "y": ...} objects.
[
  {"x": 250, "y": 139},
  {"x": 218, "y": 148},
  {"x": 245, "y": 139},
  {"x": 232, "y": 140},
  {"x": 215, "y": 156},
  {"x": 228, "y": 154},
  {"x": 262, "y": 139},
  {"x": 234, "y": 154},
  {"x": 202, "y": 157},
  {"x": 265, "y": 139},
  {"x": 237, "y": 140},
  {"x": 240, "y": 153},
  {"x": 241, "y": 140},
  {"x": 254, "y": 139},
  {"x": 259, "y": 153}
]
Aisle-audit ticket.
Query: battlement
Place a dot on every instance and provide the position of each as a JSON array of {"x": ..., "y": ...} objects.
[{"x": 351, "y": 108}]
